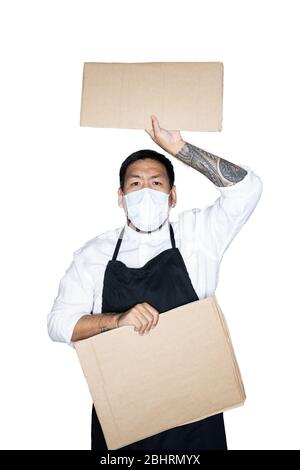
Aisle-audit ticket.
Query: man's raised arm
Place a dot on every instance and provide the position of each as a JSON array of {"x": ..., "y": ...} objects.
[{"x": 219, "y": 171}]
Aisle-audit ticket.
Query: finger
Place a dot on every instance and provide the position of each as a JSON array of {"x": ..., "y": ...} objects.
[
  {"x": 145, "y": 319},
  {"x": 154, "y": 312},
  {"x": 155, "y": 124},
  {"x": 142, "y": 322},
  {"x": 151, "y": 320},
  {"x": 150, "y": 317},
  {"x": 150, "y": 132},
  {"x": 137, "y": 324}
]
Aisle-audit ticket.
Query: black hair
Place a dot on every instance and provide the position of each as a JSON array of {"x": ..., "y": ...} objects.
[{"x": 142, "y": 155}]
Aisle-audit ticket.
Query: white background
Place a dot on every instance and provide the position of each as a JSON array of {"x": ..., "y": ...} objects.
[{"x": 59, "y": 189}]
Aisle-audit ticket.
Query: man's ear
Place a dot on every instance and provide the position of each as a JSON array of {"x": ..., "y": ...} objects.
[
  {"x": 120, "y": 198},
  {"x": 173, "y": 197}
]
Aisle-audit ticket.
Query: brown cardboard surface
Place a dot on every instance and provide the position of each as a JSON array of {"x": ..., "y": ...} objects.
[
  {"x": 183, "y": 371},
  {"x": 183, "y": 95}
]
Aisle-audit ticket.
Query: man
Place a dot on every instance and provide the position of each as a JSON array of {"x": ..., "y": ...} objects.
[{"x": 128, "y": 276}]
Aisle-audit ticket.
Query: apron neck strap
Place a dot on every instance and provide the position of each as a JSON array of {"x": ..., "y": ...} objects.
[
  {"x": 118, "y": 245},
  {"x": 172, "y": 235}
]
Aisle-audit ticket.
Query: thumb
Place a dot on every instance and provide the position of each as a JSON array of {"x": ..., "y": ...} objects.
[
  {"x": 149, "y": 132},
  {"x": 155, "y": 124}
]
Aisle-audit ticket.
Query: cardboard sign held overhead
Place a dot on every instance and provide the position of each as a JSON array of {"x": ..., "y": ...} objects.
[
  {"x": 183, "y": 371},
  {"x": 183, "y": 95}
]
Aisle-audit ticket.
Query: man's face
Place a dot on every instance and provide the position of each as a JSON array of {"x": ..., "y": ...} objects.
[{"x": 150, "y": 174}]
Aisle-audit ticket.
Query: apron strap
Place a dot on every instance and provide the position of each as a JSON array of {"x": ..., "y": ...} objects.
[
  {"x": 121, "y": 236},
  {"x": 118, "y": 245},
  {"x": 172, "y": 236}
]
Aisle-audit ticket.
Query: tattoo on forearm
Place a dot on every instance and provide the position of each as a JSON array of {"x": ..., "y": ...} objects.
[{"x": 216, "y": 169}]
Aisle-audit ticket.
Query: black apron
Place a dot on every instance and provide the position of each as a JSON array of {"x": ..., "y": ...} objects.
[{"x": 164, "y": 283}]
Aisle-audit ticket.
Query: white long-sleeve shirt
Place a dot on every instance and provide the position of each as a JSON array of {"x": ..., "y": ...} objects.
[{"x": 201, "y": 234}]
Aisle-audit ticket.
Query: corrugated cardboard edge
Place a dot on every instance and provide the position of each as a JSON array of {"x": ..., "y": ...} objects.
[
  {"x": 230, "y": 346},
  {"x": 82, "y": 91},
  {"x": 93, "y": 369},
  {"x": 221, "y": 104},
  {"x": 213, "y": 301}
]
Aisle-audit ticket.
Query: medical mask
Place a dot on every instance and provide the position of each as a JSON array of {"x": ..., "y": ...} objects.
[{"x": 147, "y": 209}]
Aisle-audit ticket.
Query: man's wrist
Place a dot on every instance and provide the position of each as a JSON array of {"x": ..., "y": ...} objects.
[
  {"x": 108, "y": 321},
  {"x": 177, "y": 147}
]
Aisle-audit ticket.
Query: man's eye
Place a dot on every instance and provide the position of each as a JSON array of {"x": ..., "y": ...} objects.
[
  {"x": 157, "y": 182},
  {"x": 134, "y": 183}
]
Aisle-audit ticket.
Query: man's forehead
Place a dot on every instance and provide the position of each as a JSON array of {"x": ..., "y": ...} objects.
[{"x": 146, "y": 166}]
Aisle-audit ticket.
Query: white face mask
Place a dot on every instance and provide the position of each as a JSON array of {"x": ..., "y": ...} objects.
[{"x": 147, "y": 209}]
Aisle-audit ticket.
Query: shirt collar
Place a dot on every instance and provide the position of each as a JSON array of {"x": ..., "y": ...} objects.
[{"x": 132, "y": 234}]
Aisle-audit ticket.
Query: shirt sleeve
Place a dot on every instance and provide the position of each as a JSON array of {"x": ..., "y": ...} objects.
[
  {"x": 213, "y": 228},
  {"x": 74, "y": 299}
]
